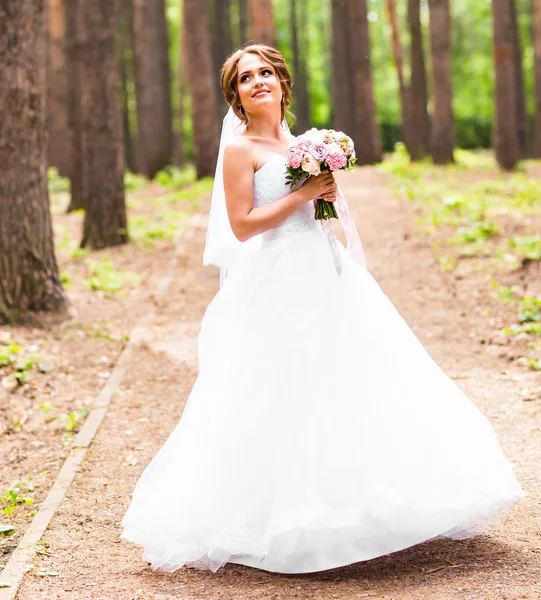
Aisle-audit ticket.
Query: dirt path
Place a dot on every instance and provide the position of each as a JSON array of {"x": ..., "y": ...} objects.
[{"x": 82, "y": 549}]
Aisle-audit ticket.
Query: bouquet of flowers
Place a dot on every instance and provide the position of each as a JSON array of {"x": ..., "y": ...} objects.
[{"x": 315, "y": 151}]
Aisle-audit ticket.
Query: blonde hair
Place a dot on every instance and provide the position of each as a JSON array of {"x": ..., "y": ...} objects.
[{"x": 229, "y": 76}]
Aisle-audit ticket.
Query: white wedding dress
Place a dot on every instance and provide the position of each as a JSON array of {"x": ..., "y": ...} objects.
[{"x": 319, "y": 432}]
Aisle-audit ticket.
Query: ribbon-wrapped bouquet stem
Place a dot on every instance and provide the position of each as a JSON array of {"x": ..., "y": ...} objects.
[{"x": 315, "y": 151}]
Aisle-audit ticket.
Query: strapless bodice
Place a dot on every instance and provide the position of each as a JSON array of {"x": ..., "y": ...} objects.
[{"x": 270, "y": 185}]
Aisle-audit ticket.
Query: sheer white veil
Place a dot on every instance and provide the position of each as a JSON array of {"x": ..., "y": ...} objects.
[{"x": 224, "y": 250}]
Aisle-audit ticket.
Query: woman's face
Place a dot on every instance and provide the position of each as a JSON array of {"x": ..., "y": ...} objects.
[{"x": 258, "y": 87}]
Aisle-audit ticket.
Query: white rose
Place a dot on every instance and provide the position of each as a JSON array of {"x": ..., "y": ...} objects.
[
  {"x": 338, "y": 135},
  {"x": 334, "y": 148},
  {"x": 310, "y": 165},
  {"x": 317, "y": 136}
]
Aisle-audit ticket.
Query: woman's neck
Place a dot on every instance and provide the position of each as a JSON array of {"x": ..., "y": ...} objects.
[{"x": 264, "y": 126}]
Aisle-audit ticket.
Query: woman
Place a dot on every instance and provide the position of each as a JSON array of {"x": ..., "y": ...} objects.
[{"x": 319, "y": 431}]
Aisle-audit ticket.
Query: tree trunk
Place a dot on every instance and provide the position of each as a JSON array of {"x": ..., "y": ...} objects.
[
  {"x": 443, "y": 128},
  {"x": 124, "y": 45},
  {"x": 420, "y": 142},
  {"x": 408, "y": 132},
  {"x": 58, "y": 151},
  {"x": 505, "y": 123},
  {"x": 342, "y": 85},
  {"x": 152, "y": 86},
  {"x": 365, "y": 132},
  {"x": 29, "y": 278},
  {"x": 300, "y": 90},
  {"x": 223, "y": 40},
  {"x": 105, "y": 210},
  {"x": 523, "y": 126},
  {"x": 75, "y": 109},
  {"x": 243, "y": 21},
  {"x": 537, "y": 67},
  {"x": 202, "y": 88},
  {"x": 179, "y": 149},
  {"x": 222, "y": 46},
  {"x": 262, "y": 22}
]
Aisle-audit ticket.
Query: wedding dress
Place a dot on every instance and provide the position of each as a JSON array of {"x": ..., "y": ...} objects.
[{"x": 319, "y": 432}]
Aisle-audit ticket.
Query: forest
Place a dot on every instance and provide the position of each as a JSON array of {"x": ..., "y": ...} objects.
[
  {"x": 96, "y": 89},
  {"x": 110, "y": 117}
]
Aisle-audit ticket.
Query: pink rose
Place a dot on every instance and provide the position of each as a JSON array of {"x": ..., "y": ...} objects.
[
  {"x": 295, "y": 155},
  {"x": 304, "y": 144},
  {"x": 337, "y": 161},
  {"x": 318, "y": 151}
]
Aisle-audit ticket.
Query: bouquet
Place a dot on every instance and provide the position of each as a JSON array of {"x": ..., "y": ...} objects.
[{"x": 315, "y": 151}]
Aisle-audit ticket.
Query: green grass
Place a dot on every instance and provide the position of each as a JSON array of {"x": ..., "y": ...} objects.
[
  {"x": 19, "y": 367},
  {"x": 186, "y": 195},
  {"x": 465, "y": 202},
  {"x": 175, "y": 177},
  {"x": 15, "y": 496},
  {"x": 105, "y": 277},
  {"x": 56, "y": 183},
  {"x": 528, "y": 310},
  {"x": 528, "y": 247},
  {"x": 165, "y": 225},
  {"x": 72, "y": 421},
  {"x": 134, "y": 182}
]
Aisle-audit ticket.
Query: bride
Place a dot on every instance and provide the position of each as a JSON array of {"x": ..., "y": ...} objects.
[{"x": 319, "y": 432}]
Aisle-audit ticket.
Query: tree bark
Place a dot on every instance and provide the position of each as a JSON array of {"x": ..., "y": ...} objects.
[
  {"x": 58, "y": 151},
  {"x": 29, "y": 279},
  {"x": 523, "y": 127},
  {"x": 408, "y": 132},
  {"x": 202, "y": 88},
  {"x": 420, "y": 142},
  {"x": 300, "y": 87},
  {"x": 223, "y": 40},
  {"x": 222, "y": 46},
  {"x": 103, "y": 165},
  {"x": 342, "y": 86},
  {"x": 505, "y": 122},
  {"x": 179, "y": 149},
  {"x": 152, "y": 86},
  {"x": 537, "y": 72},
  {"x": 443, "y": 129},
  {"x": 365, "y": 132},
  {"x": 243, "y": 21},
  {"x": 125, "y": 55},
  {"x": 75, "y": 108},
  {"x": 261, "y": 22}
]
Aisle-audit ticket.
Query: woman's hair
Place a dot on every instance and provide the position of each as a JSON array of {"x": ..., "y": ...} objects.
[{"x": 229, "y": 76}]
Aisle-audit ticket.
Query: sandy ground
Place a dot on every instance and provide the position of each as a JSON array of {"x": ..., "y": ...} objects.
[{"x": 82, "y": 556}]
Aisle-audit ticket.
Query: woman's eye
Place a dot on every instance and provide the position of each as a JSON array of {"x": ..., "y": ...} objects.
[
  {"x": 266, "y": 72},
  {"x": 244, "y": 78}
]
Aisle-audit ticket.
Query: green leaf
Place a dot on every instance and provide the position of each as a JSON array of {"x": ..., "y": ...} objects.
[{"x": 6, "y": 529}]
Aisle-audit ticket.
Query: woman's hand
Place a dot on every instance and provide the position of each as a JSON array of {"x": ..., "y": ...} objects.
[{"x": 319, "y": 186}]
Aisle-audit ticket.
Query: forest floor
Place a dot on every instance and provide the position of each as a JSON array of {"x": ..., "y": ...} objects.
[{"x": 158, "y": 290}]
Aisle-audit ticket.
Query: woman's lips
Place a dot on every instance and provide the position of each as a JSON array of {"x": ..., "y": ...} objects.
[{"x": 260, "y": 93}]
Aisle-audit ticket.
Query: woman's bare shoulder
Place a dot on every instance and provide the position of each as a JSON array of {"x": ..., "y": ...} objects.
[
  {"x": 239, "y": 145},
  {"x": 238, "y": 153}
]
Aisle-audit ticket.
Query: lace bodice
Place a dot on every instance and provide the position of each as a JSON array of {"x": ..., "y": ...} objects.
[{"x": 270, "y": 185}]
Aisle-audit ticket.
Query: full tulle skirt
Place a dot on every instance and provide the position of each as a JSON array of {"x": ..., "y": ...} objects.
[{"x": 319, "y": 432}]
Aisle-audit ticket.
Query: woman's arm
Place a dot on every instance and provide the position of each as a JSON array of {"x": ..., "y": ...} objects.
[{"x": 247, "y": 221}]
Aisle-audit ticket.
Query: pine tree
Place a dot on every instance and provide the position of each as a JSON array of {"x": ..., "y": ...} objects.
[{"x": 29, "y": 279}]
